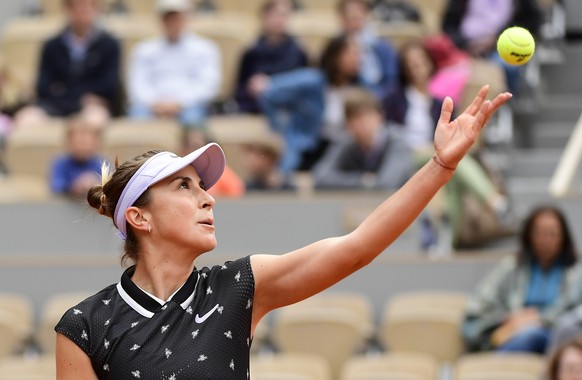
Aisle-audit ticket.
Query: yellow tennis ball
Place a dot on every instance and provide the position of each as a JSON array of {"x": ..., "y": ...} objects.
[{"x": 516, "y": 45}]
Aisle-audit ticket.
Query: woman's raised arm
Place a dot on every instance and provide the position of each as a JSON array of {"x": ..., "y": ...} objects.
[{"x": 281, "y": 280}]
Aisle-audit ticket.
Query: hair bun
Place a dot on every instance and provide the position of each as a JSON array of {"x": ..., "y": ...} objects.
[{"x": 98, "y": 200}]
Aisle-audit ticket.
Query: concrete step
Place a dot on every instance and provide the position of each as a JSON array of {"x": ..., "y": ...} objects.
[
  {"x": 552, "y": 134},
  {"x": 528, "y": 163},
  {"x": 564, "y": 78}
]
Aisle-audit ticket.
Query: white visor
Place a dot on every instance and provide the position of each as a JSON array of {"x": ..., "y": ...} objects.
[{"x": 209, "y": 162}]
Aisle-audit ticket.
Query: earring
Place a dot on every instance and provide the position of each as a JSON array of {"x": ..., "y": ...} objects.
[{"x": 149, "y": 229}]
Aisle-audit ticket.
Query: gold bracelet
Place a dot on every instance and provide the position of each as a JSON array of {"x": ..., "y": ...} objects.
[{"x": 439, "y": 162}]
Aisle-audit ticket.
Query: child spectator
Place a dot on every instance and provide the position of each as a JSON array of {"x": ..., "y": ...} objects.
[
  {"x": 261, "y": 159},
  {"x": 76, "y": 171},
  {"x": 369, "y": 156},
  {"x": 274, "y": 52}
]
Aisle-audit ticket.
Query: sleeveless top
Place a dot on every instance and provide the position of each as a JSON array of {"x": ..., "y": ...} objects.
[{"x": 202, "y": 332}]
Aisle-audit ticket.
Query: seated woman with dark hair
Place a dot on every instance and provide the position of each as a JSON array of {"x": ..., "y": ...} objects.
[{"x": 516, "y": 305}]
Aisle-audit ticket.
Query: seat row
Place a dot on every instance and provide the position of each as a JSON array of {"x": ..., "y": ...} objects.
[
  {"x": 419, "y": 332},
  {"x": 390, "y": 366},
  {"x": 22, "y": 38},
  {"x": 31, "y": 148},
  {"x": 332, "y": 325}
]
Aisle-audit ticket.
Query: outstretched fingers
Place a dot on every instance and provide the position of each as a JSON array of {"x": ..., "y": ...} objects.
[
  {"x": 476, "y": 104},
  {"x": 499, "y": 100},
  {"x": 446, "y": 111},
  {"x": 482, "y": 116}
]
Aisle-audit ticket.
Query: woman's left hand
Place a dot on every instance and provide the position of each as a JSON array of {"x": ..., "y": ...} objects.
[{"x": 453, "y": 139}]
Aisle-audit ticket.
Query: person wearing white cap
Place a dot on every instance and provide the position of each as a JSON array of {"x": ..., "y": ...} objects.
[
  {"x": 177, "y": 75},
  {"x": 168, "y": 319}
]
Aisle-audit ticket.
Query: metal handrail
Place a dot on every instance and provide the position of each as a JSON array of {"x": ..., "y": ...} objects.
[{"x": 563, "y": 176}]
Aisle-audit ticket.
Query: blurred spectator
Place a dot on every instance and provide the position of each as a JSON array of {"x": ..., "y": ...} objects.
[
  {"x": 76, "y": 171},
  {"x": 378, "y": 65},
  {"x": 79, "y": 66},
  {"x": 474, "y": 26},
  {"x": 566, "y": 362},
  {"x": 261, "y": 160},
  {"x": 515, "y": 306},
  {"x": 413, "y": 109},
  {"x": 230, "y": 185},
  {"x": 452, "y": 68},
  {"x": 274, "y": 52},
  {"x": 177, "y": 75},
  {"x": 306, "y": 107},
  {"x": 369, "y": 157}
]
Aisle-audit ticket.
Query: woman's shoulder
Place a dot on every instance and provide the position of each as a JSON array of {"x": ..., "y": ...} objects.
[
  {"x": 235, "y": 268},
  {"x": 89, "y": 304}
]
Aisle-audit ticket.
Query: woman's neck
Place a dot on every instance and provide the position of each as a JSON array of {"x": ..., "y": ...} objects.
[{"x": 162, "y": 274}]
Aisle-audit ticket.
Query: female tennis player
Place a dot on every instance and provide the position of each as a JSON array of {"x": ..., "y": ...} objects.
[{"x": 167, "y": 319}]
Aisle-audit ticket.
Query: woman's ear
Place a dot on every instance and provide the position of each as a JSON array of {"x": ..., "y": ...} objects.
[{"x": 135, "y": 218}]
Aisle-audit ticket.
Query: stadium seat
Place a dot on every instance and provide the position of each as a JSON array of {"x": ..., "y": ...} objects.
[
  {"x": 20, "y": 308},
  {"x": 141, "y": 7},
  {"x": 21, "y": 43},
  {"x": 131, "y": 30},
  {"x": 358, "y": 303},
  {"x": 333, "y": 333},
  {"x": 289, "y": 367},
  {"x": 400, "y": 33},
  {"x": 251, "y": 7},
  {"x": 391, "y": 366},
  {"x": 232, "y": 33},
  {"x": 51, "y": 7},
  {"x": 431, "y": 13},
  {"x": 9, "y": 343},
  {"x": 31, "y": 149},
  {"x": 314, "y": 30},
  {"x": 425, "y": 322},
  {"x": 320, "y": 5},
  {"x": 36, "y": 368},
  {"x": 232, "y": 132},
  {"x": 51, "y": 314},
  {"x": 18, "y": 189},
  {"x": 483, "y": 72},
  {"x": 261, "y": 335},
  {"x": 486, "y": 366},
  {"x": 126, "y": 138}
]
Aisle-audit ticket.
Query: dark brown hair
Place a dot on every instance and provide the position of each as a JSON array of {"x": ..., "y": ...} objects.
[
  {"x": 404, "y": 76},
  {"x": 554, "y": 362},
  {"x": 330, "y": 58},
  {"x": 568, "y": 255},
  {"x": 104, "y": 198},
  {"x": 358, "y": 100}
]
